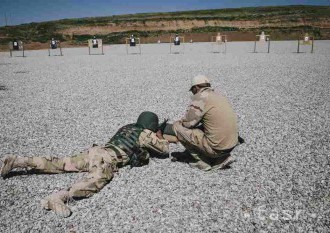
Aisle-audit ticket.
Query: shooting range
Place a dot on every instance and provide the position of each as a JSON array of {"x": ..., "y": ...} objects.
[
  {"x": 219, "y": 43},
  {"x": 59, "y": 116},
  {"x": 16, "y": 47},
  {"x": 60, "y": 105},
  {"x": 177, "y": 44},
  {"x": 133, "y": 45},
  {"x": 262, "y": 43},
  {"x": 55, "y": 48},
  {"x": 95, "y": 47},
  {"x": 305, "y": 42}
]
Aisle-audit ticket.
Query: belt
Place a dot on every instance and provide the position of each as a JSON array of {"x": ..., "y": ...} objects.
[{"x": 226, "y": 151}]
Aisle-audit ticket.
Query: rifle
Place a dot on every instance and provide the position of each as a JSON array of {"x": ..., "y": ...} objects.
[{"x": 162, "y": 126}]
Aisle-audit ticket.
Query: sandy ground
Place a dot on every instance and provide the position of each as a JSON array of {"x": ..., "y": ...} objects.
[{"x": 62, "y": 105}]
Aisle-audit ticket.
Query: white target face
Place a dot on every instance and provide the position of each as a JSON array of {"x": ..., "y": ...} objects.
[{"x": 306, "y": 38}]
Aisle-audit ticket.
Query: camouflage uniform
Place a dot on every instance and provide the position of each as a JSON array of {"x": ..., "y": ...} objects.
[
  {"x": 217, "y": 133},
  {"x": 100, "y": 161}
]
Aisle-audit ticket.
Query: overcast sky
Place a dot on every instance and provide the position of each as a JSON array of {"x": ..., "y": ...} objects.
[{"x": 26, "y": 11}]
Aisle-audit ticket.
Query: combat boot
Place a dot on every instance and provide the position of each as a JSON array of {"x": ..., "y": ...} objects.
[
  {"x": 12, "y": 162},
  {"x": 202, "y": 162},
  {"x": 56, "y": 202},
  {"x": 221, "y": 162},
  {"x": 201, "y": 165}
]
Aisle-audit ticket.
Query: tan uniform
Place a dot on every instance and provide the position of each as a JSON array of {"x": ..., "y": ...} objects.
[
  {"x": 218, "y": 124},
  {"x": 99, "y": 161}
]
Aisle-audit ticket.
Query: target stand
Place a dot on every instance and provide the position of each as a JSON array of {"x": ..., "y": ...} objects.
[
  {"x": 177, "y": 44},
  {"x": 133, "y": 46},
  {"x": 219, "y": 43},
  {"x": 16, "y": 46},
  {"x": 306, "y": 41},
  {"x": 54, "y": 46},
  {"x": 262, "y": 40},
  {"x": 95, "y": 47}
]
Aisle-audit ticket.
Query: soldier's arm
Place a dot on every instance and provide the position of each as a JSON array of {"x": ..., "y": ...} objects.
[
  {"x": 149, "y": 140},
  {"x": 194, "y": 114}
]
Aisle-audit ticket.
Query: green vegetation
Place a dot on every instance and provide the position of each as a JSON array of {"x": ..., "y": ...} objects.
[{"x": 42, "y": 32}]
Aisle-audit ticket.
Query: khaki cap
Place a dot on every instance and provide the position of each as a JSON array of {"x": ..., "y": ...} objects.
[{"x": 199, "y": 79}]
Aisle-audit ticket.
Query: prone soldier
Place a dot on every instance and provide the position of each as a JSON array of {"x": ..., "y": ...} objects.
[{"x": 131, "y": 145}]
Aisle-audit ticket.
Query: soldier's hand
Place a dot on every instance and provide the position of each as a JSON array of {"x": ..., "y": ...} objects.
[{"x": 159, "y": 134}]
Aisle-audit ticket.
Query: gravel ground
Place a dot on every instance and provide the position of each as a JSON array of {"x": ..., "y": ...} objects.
[{"x": 62, "y": 105}]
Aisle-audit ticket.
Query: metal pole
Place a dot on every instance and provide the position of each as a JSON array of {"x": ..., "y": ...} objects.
[
  {"x": 102, "y": 48},
  {"x": 61, "y": 50},
  {"x": 23, "y": 50},
  {"x": 225, "y": 47},
  {"x": 312, "y": 45},
  {"x": 255, "y": 46},
  {"x": 298, "y": 46},
  {"x": 268, "y": 44}
]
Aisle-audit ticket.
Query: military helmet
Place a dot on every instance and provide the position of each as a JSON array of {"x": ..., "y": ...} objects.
[
  {"x": 148, "y": 120},
  {"x": 199, "y": 79}
]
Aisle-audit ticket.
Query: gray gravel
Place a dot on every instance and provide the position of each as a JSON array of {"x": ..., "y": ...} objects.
[{"x": 62, "y": 105}]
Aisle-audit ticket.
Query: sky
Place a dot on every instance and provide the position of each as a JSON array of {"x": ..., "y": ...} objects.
[{"x": 27, "y": 11}]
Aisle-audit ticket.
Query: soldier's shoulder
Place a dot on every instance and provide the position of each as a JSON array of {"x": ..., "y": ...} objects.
[
  {"x": 203, "y": 95},
  {"x": 147, "y": 133},
  {"x": 146, "y": 136}
]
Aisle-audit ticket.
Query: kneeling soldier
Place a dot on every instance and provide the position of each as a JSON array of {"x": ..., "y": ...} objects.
[
  {"x": 209, "y": 128},
  {"x": 131, "y": 145}
]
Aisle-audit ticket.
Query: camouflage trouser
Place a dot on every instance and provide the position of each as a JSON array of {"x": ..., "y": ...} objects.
[
  {"x": 100, "y": 163},
  {"x": 194, "y": 141}
]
